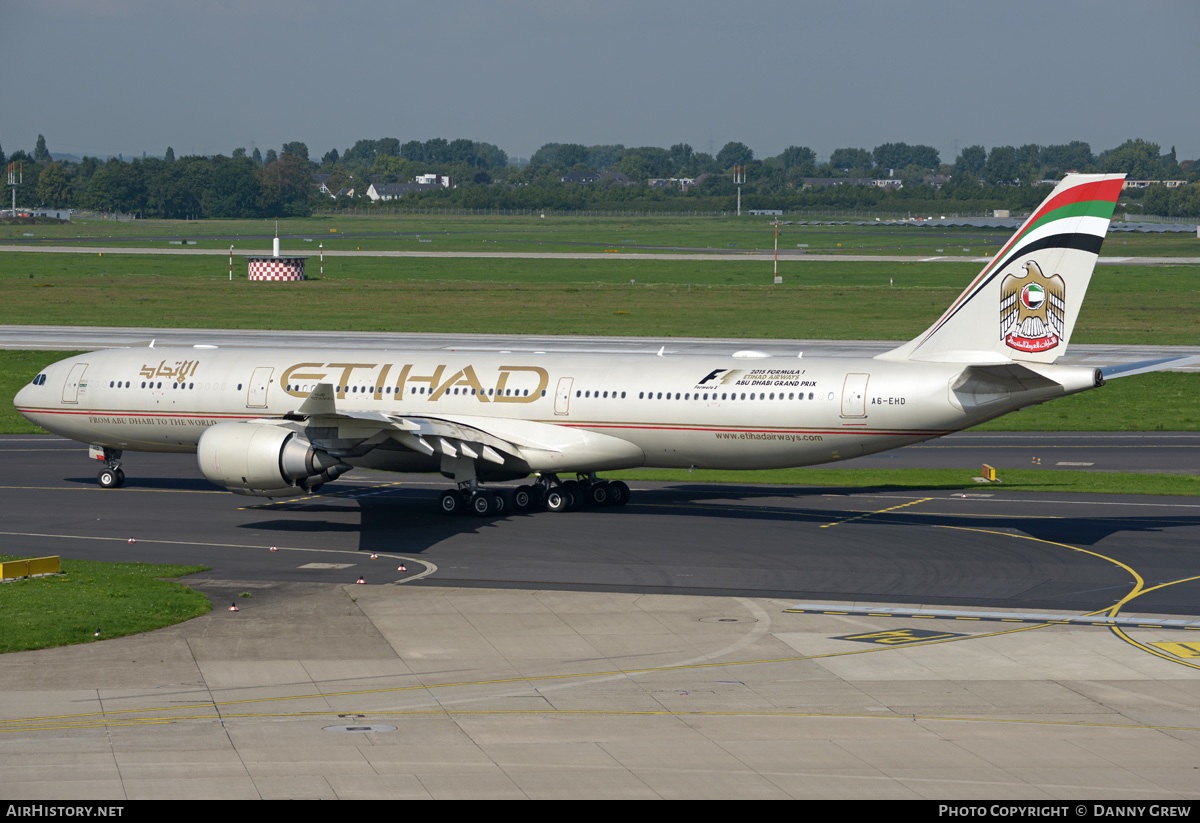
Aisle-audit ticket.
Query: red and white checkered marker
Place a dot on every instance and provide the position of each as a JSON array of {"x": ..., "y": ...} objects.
[
  {"x": 362, "y": 580},
  {"x": 233, "y": 607},
  {"x": 276, "y": 268},
  {"x": 374, "y": 556},
  {"x": 274, "y": 549},
  {"x": 131, "y": 540},
  {"x": 402, "y": 568}
]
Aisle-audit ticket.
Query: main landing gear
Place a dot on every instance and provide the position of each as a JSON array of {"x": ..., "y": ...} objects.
[
  {"x": 111, "y": 476},
  {"x": 548, "y": 493}
]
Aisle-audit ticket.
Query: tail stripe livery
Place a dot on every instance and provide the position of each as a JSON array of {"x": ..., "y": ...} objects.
[{"x": 1074, "y": 217}]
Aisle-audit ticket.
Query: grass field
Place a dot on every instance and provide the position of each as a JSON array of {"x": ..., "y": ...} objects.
[
  {"x": 724, "y": 298},
  {"x": 557, "y": 233},
  {"x": 115, "y": 599}
]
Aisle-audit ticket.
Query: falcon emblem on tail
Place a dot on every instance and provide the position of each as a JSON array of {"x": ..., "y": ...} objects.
[{"x": 1033, "y": 310}]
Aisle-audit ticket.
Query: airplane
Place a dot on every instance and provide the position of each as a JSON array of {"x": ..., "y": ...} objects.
[{"x": 283, "y": 422}]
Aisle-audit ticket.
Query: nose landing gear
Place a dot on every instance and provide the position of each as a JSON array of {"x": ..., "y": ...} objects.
[{"x": 111, "y": 476}]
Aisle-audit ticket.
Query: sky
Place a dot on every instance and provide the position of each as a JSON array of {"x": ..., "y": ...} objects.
[{"x": 107, "y": 77}]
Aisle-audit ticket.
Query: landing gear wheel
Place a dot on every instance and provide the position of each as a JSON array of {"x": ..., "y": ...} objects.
[
  {"x": 522, "y": 498},
  {"x": 557, "y": 500},
  {"x": 482, "y": 504},
  {"x": 573, "y": 489},
  {"x": 451, "y": 502},
  {"x": 618, "y": 493},
  {"x": 599, "y": 494},
  {"x": 500, "y": 502},
  {"x": 110, "y": 478}
]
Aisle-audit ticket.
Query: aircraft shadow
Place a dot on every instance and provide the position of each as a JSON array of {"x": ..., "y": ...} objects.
[
  {"x": 726, "y": 540},
  {"x": 414, "y": 514}
]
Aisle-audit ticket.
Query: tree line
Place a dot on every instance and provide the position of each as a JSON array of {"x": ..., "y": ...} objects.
[{"x": 285, "y": 183}]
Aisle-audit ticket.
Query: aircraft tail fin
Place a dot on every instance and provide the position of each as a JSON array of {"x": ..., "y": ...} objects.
[{"x": 1024, "y": 303}]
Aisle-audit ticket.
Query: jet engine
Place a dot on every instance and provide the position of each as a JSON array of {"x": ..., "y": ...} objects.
[{"x": 264, "y": 461}]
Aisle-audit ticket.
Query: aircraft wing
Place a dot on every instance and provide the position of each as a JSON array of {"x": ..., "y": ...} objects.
[{"x": 519, "y": 444}]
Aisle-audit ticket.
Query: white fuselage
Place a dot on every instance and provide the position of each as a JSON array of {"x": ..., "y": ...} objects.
[{"x": 679, "y": 411}]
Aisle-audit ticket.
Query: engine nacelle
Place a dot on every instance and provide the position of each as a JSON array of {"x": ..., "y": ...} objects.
[{"x": 262, "y": 460}]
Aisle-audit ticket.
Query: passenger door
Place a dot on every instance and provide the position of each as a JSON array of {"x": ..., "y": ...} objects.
[
  {"x": 71, "y": 387},
  {"x": 562, "y": 397},
  {"x": 854, "y": 395},
  {"x": 260, "y": 381}
]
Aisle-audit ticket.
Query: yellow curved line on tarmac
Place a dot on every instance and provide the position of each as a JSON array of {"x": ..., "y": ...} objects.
[{"x": 1138, "y": 590}]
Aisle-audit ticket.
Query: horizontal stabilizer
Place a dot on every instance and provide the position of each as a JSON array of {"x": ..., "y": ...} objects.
[{"x": 1144, "y": 366}]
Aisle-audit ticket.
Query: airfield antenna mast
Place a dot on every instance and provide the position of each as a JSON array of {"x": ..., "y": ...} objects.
[
  {"x": 778, "y": 279},
  {"x": 739, "y": 177},
  {"x": 16, "y": 176}
]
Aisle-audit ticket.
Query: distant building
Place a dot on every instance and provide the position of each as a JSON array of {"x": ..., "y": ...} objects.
[
  {"x": 812, "y": 182},
  {"x": 668, "y": 182},
  {"x": 443, "y": 180},
  {"x": 1141, "y": 184},
  {"x": 886, "y": 183},
  {"x": 581, "y": 177},
  {"x": 321, "y": 181},
  {"x": 394, "y": 191},
  {"x": 766, "y": 211}
]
